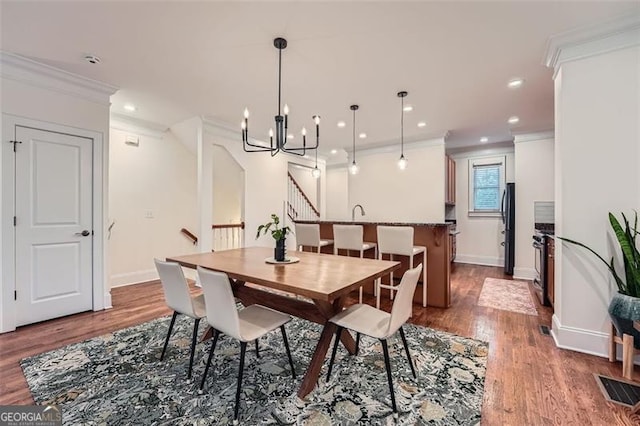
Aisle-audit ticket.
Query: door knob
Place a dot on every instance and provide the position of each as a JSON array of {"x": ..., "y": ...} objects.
[{"x": 84, "y": 233}]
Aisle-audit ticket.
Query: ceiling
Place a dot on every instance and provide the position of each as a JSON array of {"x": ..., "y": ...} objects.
[{"x": 175, "y": 60}]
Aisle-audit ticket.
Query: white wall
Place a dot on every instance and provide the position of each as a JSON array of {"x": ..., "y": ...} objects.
[
  {"x": 308, "y": 184},
  {"x": 480, "y": 237},
  {"x": 157, "y": 179},
  {"x": 389, "y": 194},
  {"x": 597, "y": 104},
  {"x": 228, "y": 187},
  {"x": 35, "y": 91},
  {"x": 338, "y": 194},
  {"x": 534, "y": 177}
]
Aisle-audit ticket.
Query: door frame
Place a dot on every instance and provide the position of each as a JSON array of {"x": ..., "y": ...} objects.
[{"x": 100, "y": 299}]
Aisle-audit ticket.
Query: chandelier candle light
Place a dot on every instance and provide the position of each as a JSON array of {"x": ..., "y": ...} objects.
[
  {"x": 282, "y": 122},
  {"x": 353, "y": 168},
  {"x": 402, "y": 162}
]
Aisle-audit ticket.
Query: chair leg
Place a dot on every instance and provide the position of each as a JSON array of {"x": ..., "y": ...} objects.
[
  {"x": 194, "y": 339},
  {"x": 357, "y": 343},
  {"x": 166, "y": 341},
  {"x": 627, "y": 356},
  {"x": 424, "y": 279},
  {"x": 257, "y": 350},
  {"x": 391, "y": 280},
  {"x": 333, "y": 352},
  {"x": 612, "y": 343},
  {"x": 387, "y": 364},
  {"x": 243, "y": 349},
  {"x": 411, "y": 267},
  {"x": 216, "y": 333},
  {"x": 406, "y": 349},
  {"x": 286, "y": 346}
]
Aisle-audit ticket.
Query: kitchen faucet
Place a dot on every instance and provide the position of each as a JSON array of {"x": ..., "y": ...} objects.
[{"x": 353, "y": 212}]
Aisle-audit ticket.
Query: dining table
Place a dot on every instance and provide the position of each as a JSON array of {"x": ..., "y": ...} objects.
[{"x": 324, "y": 280}]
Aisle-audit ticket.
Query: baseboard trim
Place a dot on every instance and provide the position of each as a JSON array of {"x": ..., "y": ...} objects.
[
  {"x": 479, "y": 260},
  {"x": 580, "y": 340},
  {"x": 120, "y": 280},
  {"x": 107, "y": 300},
  {"x": 524, "y": 273}
]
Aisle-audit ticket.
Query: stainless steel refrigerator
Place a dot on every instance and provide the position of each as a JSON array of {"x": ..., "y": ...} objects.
[{"x": 508, "y": 213}]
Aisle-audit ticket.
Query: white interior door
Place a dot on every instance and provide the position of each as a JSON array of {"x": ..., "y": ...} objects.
[{"x": 53, "y": 225}]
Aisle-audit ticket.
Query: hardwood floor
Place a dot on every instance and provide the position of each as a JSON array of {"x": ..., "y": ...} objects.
[{"x": 529, "y": 381}]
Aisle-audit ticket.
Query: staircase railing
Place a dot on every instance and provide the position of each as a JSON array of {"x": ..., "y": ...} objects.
[
  {"x": 228, "y": 236},
  {"x": 299, "y": 207},
  {"x": 187, "y": 234}
]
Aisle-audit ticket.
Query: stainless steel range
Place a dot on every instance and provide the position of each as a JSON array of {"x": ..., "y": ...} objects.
[{"x": 540, "y": 281}]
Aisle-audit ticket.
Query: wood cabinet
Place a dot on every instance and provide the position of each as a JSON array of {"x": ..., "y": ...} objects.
[
  {"x": 551, "y": 252},
  {"x": 450, "y": 180}
]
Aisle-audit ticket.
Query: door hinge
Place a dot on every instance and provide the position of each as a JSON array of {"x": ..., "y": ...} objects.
[
  {"x": 15, "y": 295},
  {"x": 15, "y": 221},
  {"x": 14, "y": 144}
]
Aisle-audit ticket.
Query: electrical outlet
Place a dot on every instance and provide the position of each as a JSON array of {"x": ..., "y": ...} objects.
[{"x": 148, "y": 214}]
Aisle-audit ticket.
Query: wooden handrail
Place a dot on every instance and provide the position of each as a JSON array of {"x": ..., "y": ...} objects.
[
  {"x": 228, "y": 225},
  {"x": 303, "y": 194},
  {"x": 190, "y": 235}
]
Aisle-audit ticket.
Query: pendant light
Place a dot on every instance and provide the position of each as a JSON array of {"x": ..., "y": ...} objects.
[
  {"x": 315, "y": 172},
  {"x": 353, "y": 167},
  {"x": 402, "y": 162}
]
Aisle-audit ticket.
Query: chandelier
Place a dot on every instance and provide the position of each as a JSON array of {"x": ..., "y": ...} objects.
[{"x": 281, "y": 134}]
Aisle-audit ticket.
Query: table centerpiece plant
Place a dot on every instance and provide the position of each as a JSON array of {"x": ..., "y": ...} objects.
[
  {"x": 624, "y": 307},
  {"x": 278, "y": 233}
]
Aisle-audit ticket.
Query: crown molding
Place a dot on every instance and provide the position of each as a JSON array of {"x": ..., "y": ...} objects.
[
  {"x": 501, "y": 148},
  {"x": 136, "y": 125},
  {"x": 532, "y": 137},
  {"x": 25, "y": 70},
  {"x": 584, "y": 42},
  {"x": 384, "y": 149}
]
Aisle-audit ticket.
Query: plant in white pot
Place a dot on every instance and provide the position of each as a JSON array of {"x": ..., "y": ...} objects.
[
  {"x": 624, "y": 308},
  {"x": 278, "y": 233}
]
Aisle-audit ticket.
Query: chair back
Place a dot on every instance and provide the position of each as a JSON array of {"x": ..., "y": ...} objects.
[
  {"x": 403, "y": 302},
  {"x": 222, "y": 313},
  {"x": 347, "y": 237},
  {"x": 175, "y": 286},
  {"x": 395, "y": 240},
  {"x": 308, "y": 234}
]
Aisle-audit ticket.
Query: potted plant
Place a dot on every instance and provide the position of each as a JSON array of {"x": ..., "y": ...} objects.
[
  {"x": 624, "y": 308},
  {"x": 278, "y": 233}
]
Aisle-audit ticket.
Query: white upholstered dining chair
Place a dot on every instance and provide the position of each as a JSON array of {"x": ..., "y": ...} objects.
[
  {"x": 367, "y": 320},
  {"x": 245, "y": 325},
  {"x": 178, "y": 298}
]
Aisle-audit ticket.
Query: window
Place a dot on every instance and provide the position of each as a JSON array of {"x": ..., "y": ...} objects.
[{"x": 486, "y": 184}]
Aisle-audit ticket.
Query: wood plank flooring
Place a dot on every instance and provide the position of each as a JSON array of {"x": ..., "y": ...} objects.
[{"x": 529, "y": 381}]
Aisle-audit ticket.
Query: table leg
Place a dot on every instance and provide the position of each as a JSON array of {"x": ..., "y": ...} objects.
[{"x": 315, "y": 365}]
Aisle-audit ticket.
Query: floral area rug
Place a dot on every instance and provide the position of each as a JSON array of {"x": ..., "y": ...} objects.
[
  {"x": 118, "y": 379},
  {"x": 508, "y": 295}
]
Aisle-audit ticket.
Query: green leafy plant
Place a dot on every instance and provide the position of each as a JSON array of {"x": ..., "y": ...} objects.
[
  {"x": 276, "y": 232},
  {"x": 631, "y": 256}
]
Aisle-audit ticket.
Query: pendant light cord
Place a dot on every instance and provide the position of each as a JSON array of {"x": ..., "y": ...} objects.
[
  {"x": 354, "y": 136},
  {"x": 402, "y": 127},
  {"x": 279, "y": 79}
]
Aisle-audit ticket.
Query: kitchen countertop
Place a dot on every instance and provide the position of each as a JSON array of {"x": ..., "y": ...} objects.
[{"x": 348, "y": 222}]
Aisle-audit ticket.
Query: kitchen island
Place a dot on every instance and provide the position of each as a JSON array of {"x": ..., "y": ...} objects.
[{"x": 434, "y": 236}]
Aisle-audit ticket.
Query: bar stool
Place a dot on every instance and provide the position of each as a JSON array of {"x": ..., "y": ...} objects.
[
  {"x": 350, "y": 237},
  {"x": 308, "y": 235},
  {"x": 398, "y": 240}
]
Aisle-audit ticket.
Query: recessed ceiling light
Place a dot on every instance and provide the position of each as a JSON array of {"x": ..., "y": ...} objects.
[
  {"x": 92, "y": 59},
  {"x": 334, "y": 151},
  {"x": 290, "y": 136},
  {"x": 515, "y": 83},
  {"x": 422, "y": 124},
  {"x": 362, "y": 135},
  {"x": 130, "y": 107},
  {"x": 341, "y": 124},
  {"x": 513, "y": 119},
  {"x": 407, "y": 108},
  {"x": 484, "y": 139}
]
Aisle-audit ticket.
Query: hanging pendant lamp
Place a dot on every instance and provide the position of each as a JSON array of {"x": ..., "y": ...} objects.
[
  {"x": 353, "y": 167},
  {"x": 402, "y": 162}
]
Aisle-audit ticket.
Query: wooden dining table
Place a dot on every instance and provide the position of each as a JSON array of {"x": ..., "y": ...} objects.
[{"x": 326, "y": 279}]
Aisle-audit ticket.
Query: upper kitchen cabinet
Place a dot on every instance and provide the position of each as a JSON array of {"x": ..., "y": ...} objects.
[{"x": 450, "y": 180}]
